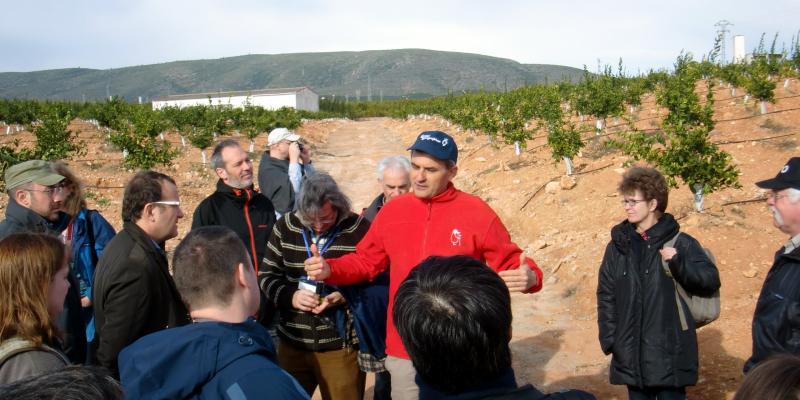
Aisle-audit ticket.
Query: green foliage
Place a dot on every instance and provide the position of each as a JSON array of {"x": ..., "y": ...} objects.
[
  {"x": 732, "y": 74},
  {"x": 53, "y": 140},
  {"x": 677, "y": 94},
  {"x": 20, "y": 112},
  {"x": 201, "y": 137},
  {"x": 757, "y": 80},
  {"x": 137, "y": 135},
  {"x": 564, "y": 140},
  {"x": 682, "y": 149},
  {"x": 10, "y": 155},
  {"x": 143, "y": 151},
  {"x": 600, "y": 95},
  {"x": 633, "y": 89}
]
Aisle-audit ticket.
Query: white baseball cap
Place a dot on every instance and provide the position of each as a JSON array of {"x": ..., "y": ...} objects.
[{"x": 280, "y": 134}]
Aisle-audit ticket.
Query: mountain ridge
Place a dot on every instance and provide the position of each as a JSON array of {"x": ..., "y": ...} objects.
[{"x": 371, "y": 74}]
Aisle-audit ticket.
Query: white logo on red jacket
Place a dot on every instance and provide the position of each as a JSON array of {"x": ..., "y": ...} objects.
[{"x": 455, "y": 237}]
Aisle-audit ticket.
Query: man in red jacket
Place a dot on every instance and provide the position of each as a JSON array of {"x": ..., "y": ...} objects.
[{"x": 437, "y": 219}]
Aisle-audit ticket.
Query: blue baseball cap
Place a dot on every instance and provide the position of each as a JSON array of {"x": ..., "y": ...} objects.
[{"x": 436, "y": 144}]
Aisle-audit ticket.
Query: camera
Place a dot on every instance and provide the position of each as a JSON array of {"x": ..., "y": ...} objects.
[{"x": 300, "y": 145}]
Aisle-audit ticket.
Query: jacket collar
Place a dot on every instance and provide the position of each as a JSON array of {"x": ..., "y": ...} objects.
[
  {"x": 283, "y": 164},
  {"x": 658, "y": 234},
  {"x": 222, "y": 187},
  {"x": 793, "y": 256},
  {"x": 449, "y": 194},
  {"x": 28, "y": 218},
  {"x": 503, "y": 383},
  {"x": 146, "y": 242}
]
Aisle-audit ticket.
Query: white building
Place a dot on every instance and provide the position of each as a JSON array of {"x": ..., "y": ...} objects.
[{"x": 299, "y": 98}]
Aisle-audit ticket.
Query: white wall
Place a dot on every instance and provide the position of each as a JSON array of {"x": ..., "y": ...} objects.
[
  {"x": 303, "y": 100},
  {"x": 739, "y": 52}
]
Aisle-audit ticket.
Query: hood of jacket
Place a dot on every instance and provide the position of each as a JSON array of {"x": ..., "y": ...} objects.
[{"x": 176, "y": 363}]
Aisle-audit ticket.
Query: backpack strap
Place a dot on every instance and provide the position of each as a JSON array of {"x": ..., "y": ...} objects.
[
  {"x": 90, "y": 233},
  {"x": 16, "y": 345},
  {"x": 665, "y": 265}
]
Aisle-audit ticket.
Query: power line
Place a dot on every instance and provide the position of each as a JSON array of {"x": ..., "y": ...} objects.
[{"x": 723, "y": 35}]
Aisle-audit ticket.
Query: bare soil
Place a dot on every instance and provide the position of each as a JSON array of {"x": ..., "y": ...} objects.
[{"x": 565, "y": 230}]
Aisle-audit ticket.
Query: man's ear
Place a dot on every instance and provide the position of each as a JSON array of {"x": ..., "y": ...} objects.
[
  {"x": 22, "y": 197},
  {"x": 221, "y": 173},
  {"x": 242, "y": 273},
  {"x": 453, "y": 171},
  {"x": 147, "y": 212}
]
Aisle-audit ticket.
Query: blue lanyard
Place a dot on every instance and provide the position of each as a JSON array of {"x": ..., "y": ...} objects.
[{"x": 330, "y": 236}]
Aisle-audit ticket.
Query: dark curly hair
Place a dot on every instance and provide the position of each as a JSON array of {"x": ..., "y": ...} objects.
[{"x": 650, "y": 182}]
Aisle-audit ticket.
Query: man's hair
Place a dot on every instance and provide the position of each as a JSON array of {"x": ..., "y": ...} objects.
[
  {"x": 777, "y": 378},
  {"x": 143, "y": 188},
  {"x": 317, "y": 190},
  {"x": 75, "y": 202},
  {"x": 398, "y": 163},
  {"x": 28, "y": 263},
  {"x": 454, "y": 317},
  {"x": 75, "y": 382},
  {"x": 204, "y": 266},
  {"x": 793, "y": 195},
  {"x": 650, "y": 182},
  {"x": 216, "y": 155}
]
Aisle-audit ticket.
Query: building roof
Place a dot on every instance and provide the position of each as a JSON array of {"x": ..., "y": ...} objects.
[{"x": 214, "y": 95}]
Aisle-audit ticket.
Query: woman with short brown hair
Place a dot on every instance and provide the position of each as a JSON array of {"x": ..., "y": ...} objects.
[
  {"x": 654, "y": 354},
  {"x": 33, "y": 284}
]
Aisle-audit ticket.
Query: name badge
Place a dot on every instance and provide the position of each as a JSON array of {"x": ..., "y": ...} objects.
[{"x": 308, "y": 284}]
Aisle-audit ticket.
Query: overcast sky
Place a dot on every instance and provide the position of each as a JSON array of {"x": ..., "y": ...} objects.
[{"x": 101, "y": 34}]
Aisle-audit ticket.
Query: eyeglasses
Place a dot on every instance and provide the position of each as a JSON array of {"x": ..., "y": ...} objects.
[
  {"x": 51, "y": 190},
  {"x": 630, "y": 202},
  {"x": 175, "y": 203},
  {"x": 775, "y": 196}
]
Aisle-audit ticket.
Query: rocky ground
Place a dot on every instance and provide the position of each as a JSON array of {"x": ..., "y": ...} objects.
[{"x": 564, "y": 226}]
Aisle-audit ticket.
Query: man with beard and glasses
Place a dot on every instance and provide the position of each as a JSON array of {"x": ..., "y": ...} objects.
[
  {"x": 776, "y": 321},
  {"x": 236, "y": 204}
]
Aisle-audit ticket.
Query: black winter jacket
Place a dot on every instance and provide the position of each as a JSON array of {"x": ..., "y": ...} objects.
[
  {"x": 776, "y": 320},
  {"x": 273, "y": 182},
  {"x": 245, "y": 211},
  {"x": 371, "y": 211},
  {"x": 134, "y": 294},
  {"x": 636, "y": 311}
]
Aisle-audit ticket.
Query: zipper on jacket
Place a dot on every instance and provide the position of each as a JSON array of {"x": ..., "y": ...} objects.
[
  {"x": 425, "y": 233},
  {"x": 250, "y": 230},
  {"x": 640, "y": 373}
]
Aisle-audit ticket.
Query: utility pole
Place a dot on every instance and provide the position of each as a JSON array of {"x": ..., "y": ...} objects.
[{"x": 723, "y": 31}]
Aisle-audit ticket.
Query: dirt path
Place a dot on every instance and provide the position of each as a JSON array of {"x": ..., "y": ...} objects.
[
  {"x": 549, "y": 349},
  {"x": 351, "y": 156}
]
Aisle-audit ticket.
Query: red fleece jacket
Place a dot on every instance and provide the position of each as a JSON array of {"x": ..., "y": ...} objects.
[{"x": 409, "y": 229}]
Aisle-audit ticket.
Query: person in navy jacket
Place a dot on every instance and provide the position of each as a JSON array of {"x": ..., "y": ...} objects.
[{"x": 224, "y": 353}]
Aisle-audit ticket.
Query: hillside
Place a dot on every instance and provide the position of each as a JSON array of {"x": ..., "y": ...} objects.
[
  {"x": 565, "y": 228},
  {"x": 390, "y": 73}
]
